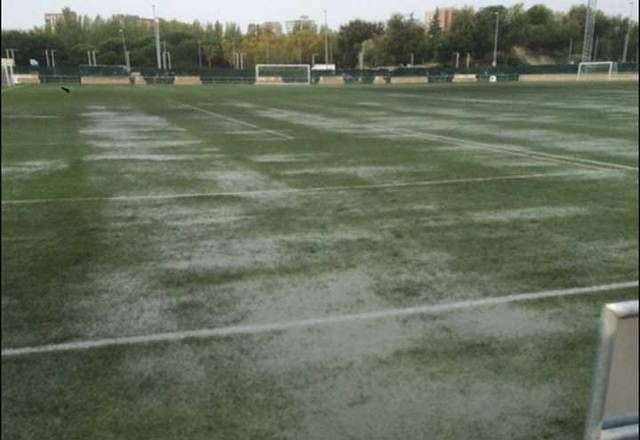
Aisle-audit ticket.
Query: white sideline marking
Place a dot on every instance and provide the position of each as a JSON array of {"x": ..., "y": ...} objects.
[
  {"x": 296, "y": 190},
  {"x": 588, "y": 163},
  {"x": 253, "y": 329},
  {"x": 237, "y": 121}
]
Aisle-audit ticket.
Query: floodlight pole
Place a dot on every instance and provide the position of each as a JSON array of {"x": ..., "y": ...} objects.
[
  {"x": 126, "y": 52},
  {"x": 468, "y": 59},
  {"x": 495, "y": 42},
  {"x": 457, "y": 59},
  {"x": 199, "y": 56},
  {"x": 570, "y": 50},
  {"x": 157, "y": 37},
  {"x": 164, "y": 55},
  {"x": 46, "y": 54},
  {"x": 626, "y": 37},
  {"x": 326, "y": 41},
  {"x": 53, "y": 58}
]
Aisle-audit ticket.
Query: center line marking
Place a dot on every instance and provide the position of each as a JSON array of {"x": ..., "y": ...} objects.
[{"x": 252, "y": 329}]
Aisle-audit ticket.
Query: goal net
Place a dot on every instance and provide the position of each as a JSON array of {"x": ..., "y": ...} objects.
[
  {"x": 597, "y": 70},
  {"x": 8, "y": 78},
  {"x": 282, "y": 74}
]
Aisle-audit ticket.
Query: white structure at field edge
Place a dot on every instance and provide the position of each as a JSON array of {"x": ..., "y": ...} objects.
[
  {"x": 8, "y": 79},
  {"x": 597, "y": 70},
  {"x": 276, "y": 73}
]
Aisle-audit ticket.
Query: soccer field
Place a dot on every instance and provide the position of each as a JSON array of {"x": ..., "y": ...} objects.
[{"x": 242, "y": 262}]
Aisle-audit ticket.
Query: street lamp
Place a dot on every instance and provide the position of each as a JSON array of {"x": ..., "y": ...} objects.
[
  {"x": 156, "y": 31},
  {"x": 126, "y": 52},
  {"x": 495, "y": 42},
  {"x": 326, "y": 41},
  {"x": 626, "y": 37}
]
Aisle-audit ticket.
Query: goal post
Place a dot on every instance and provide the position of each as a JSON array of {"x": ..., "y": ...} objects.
[
  {"x": 597, "y": 70},
  {"x": 8, "y": 78},
  {"x": 283, "y": 74}
]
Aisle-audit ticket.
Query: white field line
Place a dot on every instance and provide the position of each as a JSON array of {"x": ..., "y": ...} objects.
[
  {"x": 372, "y": 186},
  {"x": 519, "y": 102},
  {"x": 587, "y": 163},
  {"x": 237, "y": 121},
  {"x": 252, "y": 329}
]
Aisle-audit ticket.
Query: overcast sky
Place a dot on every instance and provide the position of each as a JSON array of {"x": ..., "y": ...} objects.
[{"x": 24, "y": 14}]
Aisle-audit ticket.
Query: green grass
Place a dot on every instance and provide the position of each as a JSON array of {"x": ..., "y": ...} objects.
[{"x": 100, "y": 257}]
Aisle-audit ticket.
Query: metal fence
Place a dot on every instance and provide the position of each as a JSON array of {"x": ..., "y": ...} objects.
[{"x": 72, "y": 73}]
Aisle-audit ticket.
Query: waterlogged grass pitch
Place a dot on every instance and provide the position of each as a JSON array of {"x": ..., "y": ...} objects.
[{"x": 141, "y": 211}]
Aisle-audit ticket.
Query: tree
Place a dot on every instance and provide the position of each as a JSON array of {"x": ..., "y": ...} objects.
[
  {"x": 434, "y": 42},
  {"x": 462, "y": 31},
  {"x": 350, "y": 38},
  {"x": 403, "y": 37},
  {"x": 485, "y": 25}
]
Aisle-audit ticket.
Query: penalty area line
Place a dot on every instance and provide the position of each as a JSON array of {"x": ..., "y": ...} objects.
[
  {"x": 520, "y": 151},
  {"x": 365, "y": 187},
  {"x": 252, "y": 329},
  {"x": 237, "y": 121}
]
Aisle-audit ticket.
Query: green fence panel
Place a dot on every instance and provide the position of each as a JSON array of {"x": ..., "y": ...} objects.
[
  {"x": 409, "y": 71},
  {"x": 59, "y": 79},
  {"x": 159, "y": 79},
  {"x": 228, "y": 76},
  {"x": 86, "y": 70}
]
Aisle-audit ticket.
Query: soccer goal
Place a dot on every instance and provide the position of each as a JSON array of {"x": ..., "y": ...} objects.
[
  {"x": 283, "y": 74},
  {"x": 8, "y": 79},
  {"x": 597, "y": 70}
]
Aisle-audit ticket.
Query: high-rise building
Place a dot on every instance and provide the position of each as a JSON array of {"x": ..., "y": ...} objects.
[
  {"x": 445, "y": 17},
  {"x": 273, "y": 27},
  {"x": 299, "y": 23},
  {"x": 121, "y": 19},
  {"x": 50, "y": 18}
]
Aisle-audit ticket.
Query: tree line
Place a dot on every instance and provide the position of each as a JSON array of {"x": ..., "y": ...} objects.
[{"x": 523, "y": 35}]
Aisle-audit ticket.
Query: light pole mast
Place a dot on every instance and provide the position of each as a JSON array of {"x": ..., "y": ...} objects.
[
  {"x": 157, "y": 35},
  {"x": 124, "y": 49},
  {"x": 589, "y": 26},
  {"x": 326, "y": 41},
  {"x": 495, "y": 42},
  {"x": 626, "y": 37}
]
